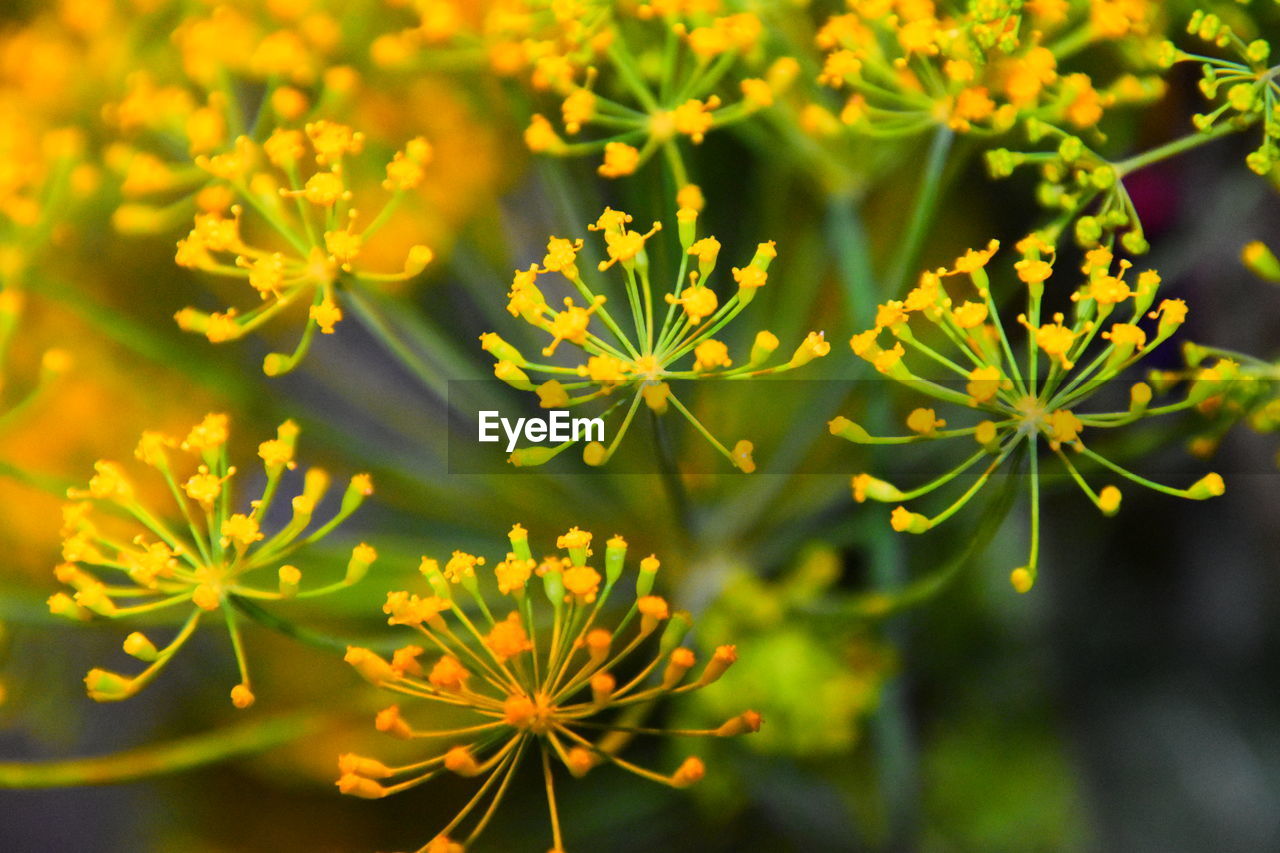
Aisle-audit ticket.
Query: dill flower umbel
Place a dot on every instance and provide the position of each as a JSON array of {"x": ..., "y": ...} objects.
[
  {"x": 1249, "y": 394},
  {"x": 975, "y": 67},
  {"x": 1082, "y": 188},
  {"x": 1247, "y": 85},
  {"x": 229, "y": 70},
  {"x": 1066, "y": 364},
  {"x": 203, "y": 563},
  {"x": 633, "y": 77},
  {"x": 638, "y": 368},
  {"x": 318, "y": 232},
  {"x": 1086, "y": 189},
  {"x": 529, "y": 685}
]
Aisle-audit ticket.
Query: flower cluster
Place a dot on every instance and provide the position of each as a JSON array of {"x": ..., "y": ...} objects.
[
  {"x": 1066, "y": 364},
  {"x": 318, "y": 234},
  {"x": 1248, "y": 87},
  {"x": 1083, "y": 189},
  {"x": 974, "y": 67},
  {"x": 204, "y": 562},
  {"x": 642, "y": 366},
  {"x": 639, "y": 75},
  {"x": 1087, "y": 191},
  {"x": 529, "y": 683},
  {"x": 231, "y": 71},
  {"x": 1248, "y": 392},
  {"x": 636, "y": 112}
]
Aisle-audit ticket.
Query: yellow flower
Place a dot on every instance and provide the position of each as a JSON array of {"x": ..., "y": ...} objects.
[
  {"x": 212, "y": 568},
  {"x": 529, "y": 691},
  {"x": 641, "y": 365},
  {"x": 1023, "y": 404},
  {"x": 323, "y": 247},
  {"x": 694, "y": 117},
  {"x": 619, "y": 159},
  {"x": 971, "y": 67},
  {"x": 711, "y": 354}
]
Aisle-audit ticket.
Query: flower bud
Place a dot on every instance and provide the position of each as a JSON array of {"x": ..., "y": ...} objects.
[
  {"x": 372, "y": 668},
  {"x": 687, "y": 219},
  {"x": 1261, "y": 261},
  {"x": 500, "y": 349},
  {"x": 519, "y": 538},
  {"x": 677, "y": 626},
  {"x": 905, "y": 521},
  {"x": 615, "y": 553},
  {"x": 509, "y": 373},
  {"x": 290, "y": 577},
  {"x": 417, "y": 260},
  {"x": 765, "y": 345},
  {"x": 724, "y": 657},
  {"x": 356, "y": 765},
  {"x": 137, "y": 645},
  {"x": 242, "y": 697},
  {"x": 848, "y": 430},
  {"x": 388, "y": 721},
  {"x": 359, "y": 786},
  {"x": 460, "y": 760},
  {"x": 1208, "y": 486},
  {"x": 691, "y": 771},
  {"x": 747, "y": 721},
  {"x": 105, "y": 686},
  {"x": 1022, "y": 580},
  {"x": 679, "y": 662},
  {"x": 362, "y": 557},
  {"x": 648, "y": 571},
  {"x": 602, "y": 686},
  {"x": 1109, "y": 500}
]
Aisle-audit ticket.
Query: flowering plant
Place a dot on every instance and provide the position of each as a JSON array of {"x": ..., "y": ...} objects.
[{"x": 1042, "y": 225}]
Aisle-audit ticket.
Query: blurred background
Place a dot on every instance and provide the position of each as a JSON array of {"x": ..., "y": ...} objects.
[{"x": 1128, "y": 703}]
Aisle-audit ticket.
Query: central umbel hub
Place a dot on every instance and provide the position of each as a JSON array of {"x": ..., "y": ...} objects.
[
  {"x": 536, "y": 715},
  {"x": 1033, "y": 414},
  {"x": 648, "y": 367}
]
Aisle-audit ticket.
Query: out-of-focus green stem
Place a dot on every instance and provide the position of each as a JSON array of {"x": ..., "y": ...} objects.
[
  {"x": 158, "y": 759},
  {"x": 300, "y": 633},
  {"x": 847, "y": 238},
  {"x": 896, "y": 753},
  {"x": 922, "y": 215},
  {"x": 376, "y": 325},
  {"x": 44, "y": 482},
  {"x": 671, "y": 479}
]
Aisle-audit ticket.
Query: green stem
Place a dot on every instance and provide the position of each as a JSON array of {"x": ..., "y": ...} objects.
[
  {"x": 671, "y": 479},
  {"x": 55, "y": 486},
  {"x": 1177, "y": 146},
  {"x": 923, "y": 213},
  {"x": 374, "y": 323},
  {"x": 847, "y": 238},
  {"x": 304, "y": 635},
  {"x": 157, "y": 759}
]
